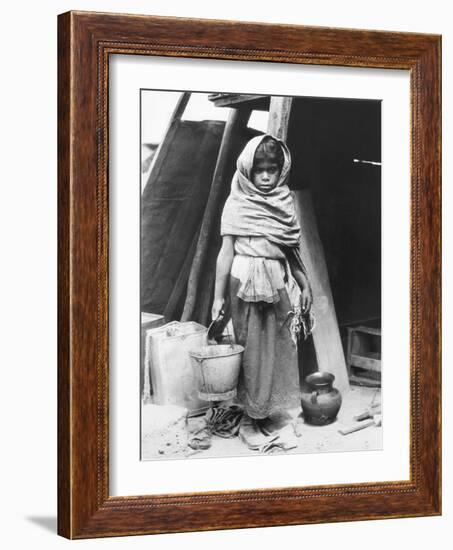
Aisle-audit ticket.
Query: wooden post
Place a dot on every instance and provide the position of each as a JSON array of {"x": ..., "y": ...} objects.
[
  {"x": 326, "y": 335},
  {"x": 238, "y": 119},
  {"x": 279, "y": 111}
]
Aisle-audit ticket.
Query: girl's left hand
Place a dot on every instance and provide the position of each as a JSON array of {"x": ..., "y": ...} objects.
[
  {"x": 217, "y": 308},
  {"x": 306, "y": 299}
]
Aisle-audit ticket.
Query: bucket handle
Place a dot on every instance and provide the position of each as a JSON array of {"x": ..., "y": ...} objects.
[
  {"x": 230, "y": 337},
  {"x": 209, "y": 328}
]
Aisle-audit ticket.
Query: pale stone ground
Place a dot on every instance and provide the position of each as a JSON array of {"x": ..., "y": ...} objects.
[{"x": 312, "y": 439}]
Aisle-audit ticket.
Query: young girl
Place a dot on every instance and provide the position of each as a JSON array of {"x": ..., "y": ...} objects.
[{"x": 268, "y": 283}]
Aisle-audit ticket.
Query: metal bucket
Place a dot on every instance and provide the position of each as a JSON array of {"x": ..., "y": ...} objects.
[{"x": 218, "y": 370}]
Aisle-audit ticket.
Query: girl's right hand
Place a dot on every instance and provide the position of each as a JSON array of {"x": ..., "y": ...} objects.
[
  {"x": 217, "y": 308},
  {"x": 306, "y": 299}
]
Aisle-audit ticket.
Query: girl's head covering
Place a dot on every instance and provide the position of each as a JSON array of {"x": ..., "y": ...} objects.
[
  {"x": 257, "y": 148},
  {"x": 251, "y": 212}
]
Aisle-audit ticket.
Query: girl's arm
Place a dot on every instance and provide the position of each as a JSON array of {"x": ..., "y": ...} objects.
[
  {"x": 223, "y": 268},
  {"x": 304, "y": 284}
]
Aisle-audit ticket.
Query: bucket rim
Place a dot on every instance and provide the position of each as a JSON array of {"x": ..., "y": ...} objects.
[{"x": 236, "y": 351}]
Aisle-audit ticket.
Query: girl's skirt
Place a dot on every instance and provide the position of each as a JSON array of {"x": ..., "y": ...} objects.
[{"x": 269, "y": 376}]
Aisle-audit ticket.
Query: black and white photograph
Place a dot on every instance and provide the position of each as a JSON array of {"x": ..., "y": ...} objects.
[
  {"x": 220, "y": 221},
  {"x": 260, "y": 274}
]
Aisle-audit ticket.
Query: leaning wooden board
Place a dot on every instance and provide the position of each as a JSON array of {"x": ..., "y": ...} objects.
[{"x": 326, "y": 335}]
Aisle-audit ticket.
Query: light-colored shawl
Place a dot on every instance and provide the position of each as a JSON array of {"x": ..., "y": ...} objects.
[{"x": 250, "y": 212}]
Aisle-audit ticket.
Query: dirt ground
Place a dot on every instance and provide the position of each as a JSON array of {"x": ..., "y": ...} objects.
[{"x": 306, "y": 438}]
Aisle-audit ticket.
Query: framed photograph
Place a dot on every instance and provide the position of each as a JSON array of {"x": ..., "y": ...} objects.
[{"x": 249, "y": 275}]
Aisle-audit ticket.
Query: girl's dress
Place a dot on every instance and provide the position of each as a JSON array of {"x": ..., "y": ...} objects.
[
  {"x": 263, "y": 291},
  {"x": 262, "y": 296}
]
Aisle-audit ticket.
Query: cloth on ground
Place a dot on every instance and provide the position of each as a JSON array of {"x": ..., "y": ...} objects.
[
  {"x": 222, "y": 421},
  {"x": 258, "y": 439},
  {"x": 286, "y": 440}
]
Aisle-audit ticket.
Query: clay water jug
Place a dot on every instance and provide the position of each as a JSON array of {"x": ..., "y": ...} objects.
[{"x": 321, "y": 403}]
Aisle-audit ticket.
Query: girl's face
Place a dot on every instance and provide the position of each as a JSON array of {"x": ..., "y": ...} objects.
[{"x": 265, "y": 174}]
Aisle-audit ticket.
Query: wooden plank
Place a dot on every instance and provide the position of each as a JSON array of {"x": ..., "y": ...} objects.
[
  {"x": 364, "y": 381},
  {"x": 279, "y": 111},
  {"x": 364, "y": 362},
  {"x": 326, "y": 336},
  {"x": 256, "y": 102},
  {"x": 368, "y": 330}
]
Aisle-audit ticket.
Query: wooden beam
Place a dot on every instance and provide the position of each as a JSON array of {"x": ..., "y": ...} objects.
[
  {"x": 256, "y": 102},
  {"x": 279, "y": 111},
  {"x": 326, "y": 335},
  {"x": 236, "y": 122}
]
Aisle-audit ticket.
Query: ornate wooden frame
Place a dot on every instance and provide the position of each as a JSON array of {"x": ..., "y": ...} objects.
[{"x": 85, "y": 41}]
